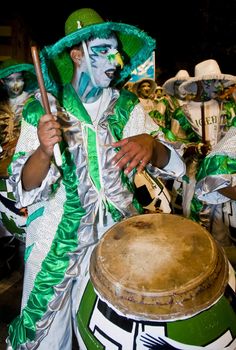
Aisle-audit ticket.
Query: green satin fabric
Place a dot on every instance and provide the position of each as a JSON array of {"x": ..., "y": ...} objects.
[
  {"x": 215, "y": 165},
  {"x": 192, "y": 136},
  {"x": 33, "y": 111},
  {"x": 56, "y": 262},
  {"x": 195, "y": 208},
  {"x": 123, "y": 108},
  {"x": 93, "y": 158}
]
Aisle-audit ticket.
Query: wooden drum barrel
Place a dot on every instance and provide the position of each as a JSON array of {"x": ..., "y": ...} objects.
[{"x": 157, "y": 281}]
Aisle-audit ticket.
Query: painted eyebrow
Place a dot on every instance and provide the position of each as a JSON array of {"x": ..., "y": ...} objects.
[{"x": 101, "y": 47}]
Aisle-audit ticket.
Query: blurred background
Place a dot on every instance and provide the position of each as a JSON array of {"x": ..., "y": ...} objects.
[{"x": 186, "y": 32}]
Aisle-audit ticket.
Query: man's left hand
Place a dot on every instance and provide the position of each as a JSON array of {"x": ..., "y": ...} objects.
[{"x": 135, "y": 152}]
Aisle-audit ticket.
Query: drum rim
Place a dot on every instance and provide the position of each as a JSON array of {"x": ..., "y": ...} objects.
[{"x": 168, "y": 306}]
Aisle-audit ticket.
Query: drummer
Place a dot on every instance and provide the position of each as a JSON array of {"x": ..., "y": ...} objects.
[{"x": 106, "y": 136}]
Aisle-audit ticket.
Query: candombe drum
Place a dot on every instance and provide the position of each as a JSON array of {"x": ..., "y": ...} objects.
[{"x": 157, "y": 281}]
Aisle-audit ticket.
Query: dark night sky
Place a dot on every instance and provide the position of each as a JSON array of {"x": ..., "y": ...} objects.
[{"x": 186, "y": 32}]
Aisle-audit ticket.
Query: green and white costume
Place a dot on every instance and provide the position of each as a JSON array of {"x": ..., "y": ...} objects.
[
  {"x": 218, "y": 171},
  {"x": 72, "y": 208}
]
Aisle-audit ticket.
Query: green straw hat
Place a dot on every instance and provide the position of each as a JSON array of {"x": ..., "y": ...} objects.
[
  {"x": 136, "y": 46},
  {"x": 11, "y": 66}
]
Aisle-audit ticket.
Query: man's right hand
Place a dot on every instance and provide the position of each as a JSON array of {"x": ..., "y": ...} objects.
[{"x": 49, "y": 133}]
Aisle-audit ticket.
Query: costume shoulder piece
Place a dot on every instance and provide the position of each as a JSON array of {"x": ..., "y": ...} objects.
[{"x": 32, "y": 111}]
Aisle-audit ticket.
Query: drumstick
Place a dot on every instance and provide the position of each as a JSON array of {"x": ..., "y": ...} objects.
[
  {"x": 37, "y": 66},
  {"x": 203, "y": 123}
]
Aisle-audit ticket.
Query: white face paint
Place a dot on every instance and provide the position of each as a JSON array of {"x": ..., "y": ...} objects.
[
  {"x": 103, "y": 55},
  {"x": 14, "y": 84}
]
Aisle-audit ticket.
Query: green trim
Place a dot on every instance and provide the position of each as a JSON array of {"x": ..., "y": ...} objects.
[
  {"x": 93, "y": 165},
  {"x": 28, "y": 251},
  {"x": 36, "y": 214},
  {"x": 23, "y": 328}
]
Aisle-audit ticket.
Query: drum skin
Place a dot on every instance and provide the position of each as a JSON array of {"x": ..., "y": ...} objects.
[{"x": 157, "y": 281}]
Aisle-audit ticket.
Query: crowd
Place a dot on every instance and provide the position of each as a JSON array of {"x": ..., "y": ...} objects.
[{"x": 127, "y": 149}]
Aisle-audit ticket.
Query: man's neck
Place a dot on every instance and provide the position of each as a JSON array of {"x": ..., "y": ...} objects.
[{"x": 84, "y": 88}]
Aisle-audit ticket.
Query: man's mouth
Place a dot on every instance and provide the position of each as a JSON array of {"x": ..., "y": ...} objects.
[{"x": 110, "y": 73}]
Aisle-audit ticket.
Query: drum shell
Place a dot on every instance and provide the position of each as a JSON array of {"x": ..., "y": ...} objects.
[
  {"x": 100, "y": 326},
  {"x": 102, "y": 319}
]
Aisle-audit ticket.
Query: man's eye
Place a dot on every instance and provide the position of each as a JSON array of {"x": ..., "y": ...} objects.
[{"x": 104, "y": 52}]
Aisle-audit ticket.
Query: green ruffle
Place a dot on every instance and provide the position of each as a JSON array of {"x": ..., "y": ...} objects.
[{"x": 56, "y": 263}]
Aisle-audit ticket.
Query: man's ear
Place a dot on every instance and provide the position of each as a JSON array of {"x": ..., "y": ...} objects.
[{"x": 76, "y": 55}]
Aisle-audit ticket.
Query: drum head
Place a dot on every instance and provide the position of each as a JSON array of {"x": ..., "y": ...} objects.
[{"x": 158, "y": 267}]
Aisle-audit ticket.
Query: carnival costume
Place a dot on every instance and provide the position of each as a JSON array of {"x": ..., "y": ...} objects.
[
  {"x": 218, "y": 117},
  {"x": 78, "y": 202},
  {"x": 11, "y": 110}
]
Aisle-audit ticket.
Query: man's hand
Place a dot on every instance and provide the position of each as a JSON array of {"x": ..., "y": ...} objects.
[
  {"x": 49, "y": 133},
  {"x": 38, "y": 164},
  {"x": 137, "y": 151}
]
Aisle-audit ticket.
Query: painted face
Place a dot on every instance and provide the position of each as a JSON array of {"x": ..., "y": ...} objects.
[
  {"x": 211, "y": 88},
  {"x": 14, "y": 84},
  {"x": 176, "y": 86},
  {"x": 104, "y": 59}
]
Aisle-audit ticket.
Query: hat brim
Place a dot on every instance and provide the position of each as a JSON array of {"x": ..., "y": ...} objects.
[
  {"x": 136, "y": 47},
  {"x": 30, "y": 79},
  {"x": 21, "y": 67},
  {"x": 168, "y": 86},
  {"x": 190, "y": 86}
]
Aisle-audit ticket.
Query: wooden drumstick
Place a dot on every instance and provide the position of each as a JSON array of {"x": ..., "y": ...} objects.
[
  {"x": 37, "y": 66},
  {"x": 203, "y": 124}
]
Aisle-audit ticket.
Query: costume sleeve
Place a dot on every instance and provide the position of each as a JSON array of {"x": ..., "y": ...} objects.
[
  {"x": 140, "y": 122},
  {"x": 27, "y": 144},
  {"x": 218, "y": 170}
]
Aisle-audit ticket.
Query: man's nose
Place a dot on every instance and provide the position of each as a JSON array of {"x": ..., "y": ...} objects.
[{"x": 115, "y": 58}]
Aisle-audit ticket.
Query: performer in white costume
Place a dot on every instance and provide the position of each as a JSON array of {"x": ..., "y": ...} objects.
[
  {"x": 205, "y": 120},
  {"x": 105, "y": 136}
]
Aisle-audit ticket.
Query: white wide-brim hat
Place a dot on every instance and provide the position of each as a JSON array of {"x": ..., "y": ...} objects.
[
  {"x": 206, "y": 70},
  {"x": 168, "y": 85}
]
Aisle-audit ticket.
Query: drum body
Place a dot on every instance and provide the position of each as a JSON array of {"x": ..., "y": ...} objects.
[{"x": 157, "y": 281}]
